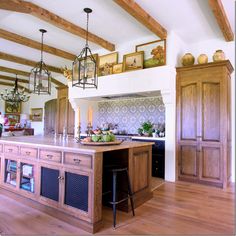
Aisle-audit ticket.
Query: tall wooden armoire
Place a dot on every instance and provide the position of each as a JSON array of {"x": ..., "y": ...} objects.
[{"x": 204, "y": 123}]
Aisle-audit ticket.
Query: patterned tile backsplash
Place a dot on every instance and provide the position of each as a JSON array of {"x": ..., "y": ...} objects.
[{"x": 130, "y": 113}]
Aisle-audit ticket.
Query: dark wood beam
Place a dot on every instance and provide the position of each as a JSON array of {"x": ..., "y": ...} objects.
[
  {"x": 143, "y": 17},
  {"x": 222, "y": 19},
  {"x": 34, "y": 44},
  {"x": 23, "y": 61},
  {"x": 51, "y": 18},
  {"x": 12, "y": 84},
  {"x": 27, "y": 74}
]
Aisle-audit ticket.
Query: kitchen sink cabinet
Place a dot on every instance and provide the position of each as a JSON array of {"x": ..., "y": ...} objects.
[{"x": 204, "y": 124}]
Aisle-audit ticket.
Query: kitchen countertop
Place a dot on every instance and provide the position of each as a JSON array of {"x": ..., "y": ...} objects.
[{"x": 70, "y": 144}]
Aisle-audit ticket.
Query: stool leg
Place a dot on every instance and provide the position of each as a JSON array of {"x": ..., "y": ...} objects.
[
  {"x": 114, "y": 199},
  {"x": 130, "y": 192}
]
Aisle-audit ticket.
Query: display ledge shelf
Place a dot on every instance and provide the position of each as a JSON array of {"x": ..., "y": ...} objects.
[{"x": 138, "y": 81}]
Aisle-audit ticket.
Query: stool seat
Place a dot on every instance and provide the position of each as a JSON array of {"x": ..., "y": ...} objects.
[{"x": 114, "y": 191}]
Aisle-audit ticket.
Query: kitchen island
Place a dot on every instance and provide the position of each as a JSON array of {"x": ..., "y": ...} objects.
[{"x": 65, "y": 178}]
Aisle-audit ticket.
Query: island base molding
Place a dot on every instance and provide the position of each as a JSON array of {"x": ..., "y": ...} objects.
[{"x": 91, "y": 228}]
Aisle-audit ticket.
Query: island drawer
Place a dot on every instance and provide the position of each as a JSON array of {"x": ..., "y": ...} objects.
[
  {"x": 50, "y": 155},
  {"x": 78, "y": 159},
  {"x": 28, "y": 152},
  {"x": 11, "y": 149}
]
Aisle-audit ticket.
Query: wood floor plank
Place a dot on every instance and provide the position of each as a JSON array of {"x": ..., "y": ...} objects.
[{"x": 176, "y": 208}]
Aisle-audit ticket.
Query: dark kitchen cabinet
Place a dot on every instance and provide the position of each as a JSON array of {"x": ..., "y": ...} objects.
[{"x": 158, "y": 157}]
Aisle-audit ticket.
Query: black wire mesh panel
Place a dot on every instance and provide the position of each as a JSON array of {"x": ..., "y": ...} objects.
[
  {"x": 50, "y": 183},
  {"x": 76, "y": 191}
]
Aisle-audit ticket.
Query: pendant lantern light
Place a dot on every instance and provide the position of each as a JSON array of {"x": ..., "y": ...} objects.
[
  {"x": 40, "y": 77},
  {"x": 84, "y": 68}
]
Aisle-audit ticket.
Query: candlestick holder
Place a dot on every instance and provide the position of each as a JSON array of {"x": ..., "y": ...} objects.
[
  {"x": 89, "y": 129},
  {"x": 78, "y": 138}
]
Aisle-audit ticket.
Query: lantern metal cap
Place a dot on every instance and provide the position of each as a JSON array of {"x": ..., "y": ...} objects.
[{"x": 88, "y": 10}]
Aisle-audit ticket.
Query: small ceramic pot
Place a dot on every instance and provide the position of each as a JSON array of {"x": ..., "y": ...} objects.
[
  {"x": 219, "y": 55},
  {"x": 188, "y": 59},
  {"x": 202, "y": 59}
]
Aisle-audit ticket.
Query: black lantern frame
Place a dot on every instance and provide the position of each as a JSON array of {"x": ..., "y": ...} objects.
[
  {"x": 84, "y": 67},
  {"x": 40, "y": 76}
]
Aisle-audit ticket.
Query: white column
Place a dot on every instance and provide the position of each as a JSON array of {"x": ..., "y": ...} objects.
[{"x": 170, "y": 159}]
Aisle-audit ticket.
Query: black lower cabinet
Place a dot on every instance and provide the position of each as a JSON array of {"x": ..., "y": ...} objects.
[
  {"x": 158, "y": 157},
  {"x": 76, "y": 191},
  {"x": 49, "y": 183}
]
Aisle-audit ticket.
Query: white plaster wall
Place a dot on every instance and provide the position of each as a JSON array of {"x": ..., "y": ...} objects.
[{"x": 209, "y": 47}]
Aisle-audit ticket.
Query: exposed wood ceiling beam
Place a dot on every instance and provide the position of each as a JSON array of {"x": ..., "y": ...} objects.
[
  {"x": 14, "y": 71},
  {"x": 23, "y": 61},
  {"x": 34, "y": 44},
  {"x": 27, "y": 74},
  {"x": 12, "y": 84},
  {"x": 143, "y": 17},
  {"x": 4, "y": 77},
  {"x": 222, "y": 19},
  {"x": 45, "y": 15}
]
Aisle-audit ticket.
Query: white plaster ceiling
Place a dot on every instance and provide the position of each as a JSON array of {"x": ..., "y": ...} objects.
[{"x": 192, "y": 20}]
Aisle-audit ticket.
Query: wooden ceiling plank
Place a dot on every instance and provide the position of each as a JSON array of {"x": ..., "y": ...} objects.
[
  {"x": 23, "y": 61},
  {"x": 34, "y": 44},
  {"x": 27, "y": 74},
  {"x": 58, "y": 21},
  {"x": 143, "y": 17},
  {"x": 222, "y": 19}
]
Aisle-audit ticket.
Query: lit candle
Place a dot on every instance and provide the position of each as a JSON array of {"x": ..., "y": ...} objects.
[{"x": 78, "y": 117}]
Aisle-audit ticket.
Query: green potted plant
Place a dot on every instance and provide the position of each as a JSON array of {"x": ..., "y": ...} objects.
[{"x": 146, "y": 128}]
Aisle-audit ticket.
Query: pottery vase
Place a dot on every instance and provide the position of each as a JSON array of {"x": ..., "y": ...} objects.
[
  {"x": 188, "y": 59},
  {"x": 219, "y": 55},
  {"x": 202, "y": 59}
]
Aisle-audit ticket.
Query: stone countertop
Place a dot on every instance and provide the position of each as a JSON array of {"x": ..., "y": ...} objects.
[{"x": 68, "y": 145}]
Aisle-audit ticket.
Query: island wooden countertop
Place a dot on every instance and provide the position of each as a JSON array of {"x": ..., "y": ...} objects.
[{"x": 70, "y": 144}]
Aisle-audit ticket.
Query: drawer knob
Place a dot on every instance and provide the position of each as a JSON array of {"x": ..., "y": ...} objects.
[
  {"x": 50, "y": 156},
  {"x": 157, "y": 162},
  {"x": 27, "y": 153},
  {"x": 77, "y": 161}
]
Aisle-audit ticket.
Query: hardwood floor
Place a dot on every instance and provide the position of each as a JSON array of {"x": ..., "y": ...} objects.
[{"x": 176, "y": 208}]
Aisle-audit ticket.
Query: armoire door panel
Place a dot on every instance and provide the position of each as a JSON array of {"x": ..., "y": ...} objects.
[
  {"x": 211, "y": 163},
  {"x": 61, "y": 114},
  {"x": 211, "y": 111},
  {"x": 188, "y": 115},
  {"x": 188, "y": 161}
]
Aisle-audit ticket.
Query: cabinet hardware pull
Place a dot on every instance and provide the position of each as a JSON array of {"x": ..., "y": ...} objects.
[
  {"x": 59, "y": 177},
  {"x": 49, "y": 156},
  {"x": 156, "y": 168},
  {"x": 157, "y": 162},
  {"x": 77, "y": 161},
  {"x": 27, "y": 153}
]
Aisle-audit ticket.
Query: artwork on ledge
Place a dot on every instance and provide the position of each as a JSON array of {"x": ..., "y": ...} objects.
[
  {"x": 117, "y": 68},
  {"x": 133, "y": 61},
  {"x": 106, "y": 63},
  {"x": 90, "y": 68},
  {"x": 12, "y": 107},
  {"x": 36, "y": 114},
  {"x": 154, "y": 53}
]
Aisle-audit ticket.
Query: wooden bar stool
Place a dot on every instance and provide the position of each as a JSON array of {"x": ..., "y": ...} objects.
[{"x": 115, "y": 191}]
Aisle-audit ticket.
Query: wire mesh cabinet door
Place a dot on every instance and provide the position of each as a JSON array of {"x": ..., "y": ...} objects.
[{"x": 76, "y": 193}]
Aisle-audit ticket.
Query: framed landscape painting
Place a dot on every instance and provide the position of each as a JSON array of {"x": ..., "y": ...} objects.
[
  {"x": 154, "y": 53},
  {"x": 36, "y": 114},
  {"x": 133, "y": 61},
  {"x": 12, "y": 107},
  {"x": 106, "y": 63}
]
